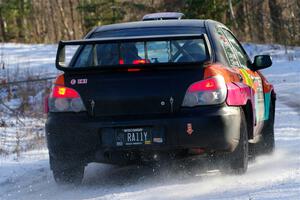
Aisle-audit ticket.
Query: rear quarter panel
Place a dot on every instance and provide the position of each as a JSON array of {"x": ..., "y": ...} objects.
[
  {"x": 238, "y": 93},
  {"x": 239, "y": 89}
]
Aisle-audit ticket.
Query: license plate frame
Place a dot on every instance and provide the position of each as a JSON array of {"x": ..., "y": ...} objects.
[{"x": 134, "y": 136}]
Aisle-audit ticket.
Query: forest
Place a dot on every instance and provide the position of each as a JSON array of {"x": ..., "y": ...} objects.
[{"x": 48, "y": 21}]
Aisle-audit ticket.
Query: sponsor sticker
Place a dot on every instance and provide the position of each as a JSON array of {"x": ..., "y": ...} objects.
[
  {"x": 158, "y": 140},
  {"x": 79, "y": 81},
  {"x": 189, "y": 128},
  {"x": 119, "y": 143},
  {"x": 82, "y": 81},
  {"x": 73, "y": 82}
]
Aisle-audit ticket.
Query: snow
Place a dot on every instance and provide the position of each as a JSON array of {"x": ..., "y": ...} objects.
[
  {"x": 22, "y": 134},
  {"x": 275, "y": 176},
  {"x": 22, "y": 60}
]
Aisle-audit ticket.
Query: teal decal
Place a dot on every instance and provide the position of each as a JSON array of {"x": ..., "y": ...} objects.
[{"x": 267, "y": 105}]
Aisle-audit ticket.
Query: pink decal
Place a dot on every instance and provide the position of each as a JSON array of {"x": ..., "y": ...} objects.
[{"x": 238, "y": 94}]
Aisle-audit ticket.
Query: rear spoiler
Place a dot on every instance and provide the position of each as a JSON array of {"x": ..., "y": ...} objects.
[{"x": 60, "y": 56}]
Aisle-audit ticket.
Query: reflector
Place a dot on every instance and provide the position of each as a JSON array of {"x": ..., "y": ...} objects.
[
  {"x": 61, "y": 104},
  {"x": 133, "y": 70},
  {"x": 60, "y": 80}
]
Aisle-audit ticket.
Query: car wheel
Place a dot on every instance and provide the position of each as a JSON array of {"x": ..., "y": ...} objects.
[
  {"x": 237, "y": 161},
  {"x": 66, "y": 173}
]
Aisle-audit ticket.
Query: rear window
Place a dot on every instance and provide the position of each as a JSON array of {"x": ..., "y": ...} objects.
[{"x": 141, "y": 52}]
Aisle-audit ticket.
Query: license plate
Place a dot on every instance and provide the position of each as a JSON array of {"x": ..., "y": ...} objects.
[{"x": 134, "y": 136}]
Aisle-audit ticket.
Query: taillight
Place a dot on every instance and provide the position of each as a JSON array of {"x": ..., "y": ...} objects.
[
  {"x": 210, "y": 91},
  {"x": 64, "y": 99},
  {"x": 121, "y": 62},
  {"x": 64, "y": 92}
]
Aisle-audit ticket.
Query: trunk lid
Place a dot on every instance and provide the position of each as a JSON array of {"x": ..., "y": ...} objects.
[{"x": 148, "y": 92}]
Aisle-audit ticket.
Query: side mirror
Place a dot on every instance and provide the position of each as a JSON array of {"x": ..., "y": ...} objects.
[{"x": 261, "y": 62}]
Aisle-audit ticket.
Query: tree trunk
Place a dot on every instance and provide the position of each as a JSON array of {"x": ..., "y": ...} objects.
[
  {"x": 53, "y": 21},
  {"x": 260, "y": 21},
  {"x": 232, "y": 15},
  {"x": 20, "y": 21},
  {"x": 2, "y": 26},
  {"x": 276, "y": 21},
  {"x": 72, "y": 19},
  {"x": 249, "y": 21},
  {"x": 64, "y": 20}
]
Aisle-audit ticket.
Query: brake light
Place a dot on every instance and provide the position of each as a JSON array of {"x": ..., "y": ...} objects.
[
  {"x": 64, "y": 99},
  {"x": 207, "y": 92},
  {"x": 140, "y": 61},
  {"x": 64, "y": 92},
  {"x": 209, "y": 84}
]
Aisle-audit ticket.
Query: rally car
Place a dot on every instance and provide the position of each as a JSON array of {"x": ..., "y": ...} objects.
[{"x": 161, "y": 88}]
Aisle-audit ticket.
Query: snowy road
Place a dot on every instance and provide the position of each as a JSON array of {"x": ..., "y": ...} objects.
[{"x": 269, "y": 177}]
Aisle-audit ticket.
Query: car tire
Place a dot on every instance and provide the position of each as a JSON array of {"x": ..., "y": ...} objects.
[
  {"x": 236, "y": 162},
  {"x": 67, "y": 174},
  {"x": 267, "y": 143}
]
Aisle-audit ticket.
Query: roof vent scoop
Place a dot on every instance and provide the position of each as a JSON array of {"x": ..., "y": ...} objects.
[{"x": 163, "y": 16}]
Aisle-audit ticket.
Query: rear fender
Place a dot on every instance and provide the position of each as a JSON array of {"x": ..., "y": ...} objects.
[{"x": 239, "y": 94}]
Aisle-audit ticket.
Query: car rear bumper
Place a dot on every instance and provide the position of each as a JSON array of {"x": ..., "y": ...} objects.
[{"x": 215, "y": 128}]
